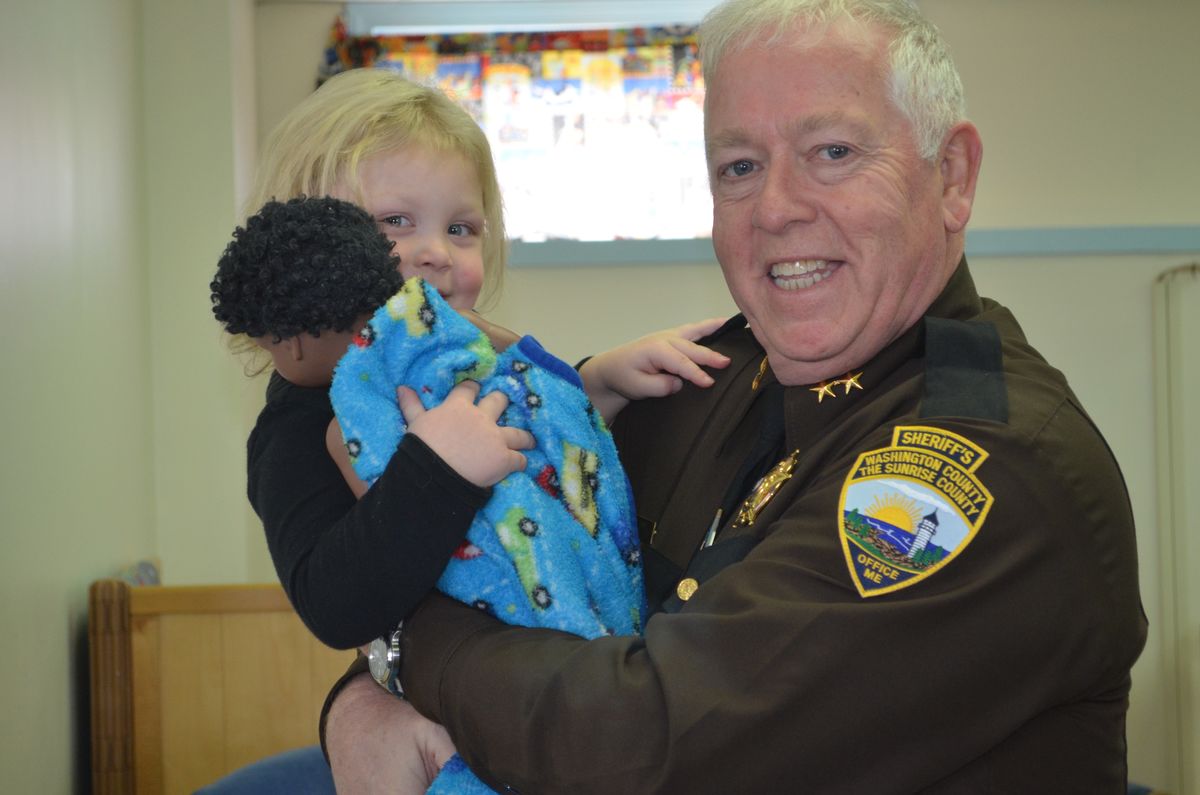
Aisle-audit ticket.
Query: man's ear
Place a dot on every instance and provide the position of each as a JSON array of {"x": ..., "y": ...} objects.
[{"x": 962, "y": 155}]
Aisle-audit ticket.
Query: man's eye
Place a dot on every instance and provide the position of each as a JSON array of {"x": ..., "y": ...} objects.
[
  {"x": 739, "y": 168},
  {"x": 835, "y": 151}
]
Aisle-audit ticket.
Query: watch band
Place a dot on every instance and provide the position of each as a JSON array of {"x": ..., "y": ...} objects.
[{"x": 383, "y": 659}]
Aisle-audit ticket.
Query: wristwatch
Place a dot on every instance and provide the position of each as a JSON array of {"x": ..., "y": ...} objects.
[{"x": 383, "y": 658}]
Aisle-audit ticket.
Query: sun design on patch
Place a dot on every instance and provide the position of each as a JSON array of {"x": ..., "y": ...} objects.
[{"x": 897, "y": 510}]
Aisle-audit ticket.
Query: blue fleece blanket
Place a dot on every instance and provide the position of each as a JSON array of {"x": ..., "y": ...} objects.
[{"x": 556, "y": 545}]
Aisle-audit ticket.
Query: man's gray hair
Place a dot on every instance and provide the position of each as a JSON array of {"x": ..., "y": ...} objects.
[{"x": 924, "y": 82}]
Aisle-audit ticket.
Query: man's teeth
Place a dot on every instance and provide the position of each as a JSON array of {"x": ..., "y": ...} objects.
[{"x": 800, "y": 274}]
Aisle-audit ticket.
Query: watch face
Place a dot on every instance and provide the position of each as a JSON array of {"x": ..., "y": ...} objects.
[{"x": 377, "y": 660}]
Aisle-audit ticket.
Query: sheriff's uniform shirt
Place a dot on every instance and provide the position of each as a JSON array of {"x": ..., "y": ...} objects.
[{"x": 938, "y": 595}]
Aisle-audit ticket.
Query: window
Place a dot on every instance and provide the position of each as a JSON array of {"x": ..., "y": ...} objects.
[{"x": 593, "y": 110}]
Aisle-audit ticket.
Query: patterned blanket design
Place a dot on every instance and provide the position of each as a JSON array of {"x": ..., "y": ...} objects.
[{"x": 556, "y": 545}]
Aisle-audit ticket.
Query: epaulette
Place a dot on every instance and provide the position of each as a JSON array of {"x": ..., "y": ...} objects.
[{"x": 964, "y": 371}]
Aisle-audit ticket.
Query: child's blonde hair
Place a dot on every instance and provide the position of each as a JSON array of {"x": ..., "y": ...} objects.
[{"x": 320, "y": 145}]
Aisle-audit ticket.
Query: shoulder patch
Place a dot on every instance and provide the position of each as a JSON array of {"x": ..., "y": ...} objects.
[{"x": 907, "y": 510}]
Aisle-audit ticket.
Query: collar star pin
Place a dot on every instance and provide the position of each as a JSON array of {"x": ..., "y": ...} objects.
[{"x": 825, "y": 388}]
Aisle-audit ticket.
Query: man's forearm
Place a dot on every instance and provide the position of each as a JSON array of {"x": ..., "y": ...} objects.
[{"x": 377, "y": 743}]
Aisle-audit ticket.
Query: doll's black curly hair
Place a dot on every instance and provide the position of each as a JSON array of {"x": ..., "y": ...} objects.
[{"x": 301, "y": 267}]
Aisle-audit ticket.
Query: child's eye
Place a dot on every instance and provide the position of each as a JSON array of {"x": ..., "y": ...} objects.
[
  {"x": 460, "y": 230},
  {"x": 395, "y": 220}
]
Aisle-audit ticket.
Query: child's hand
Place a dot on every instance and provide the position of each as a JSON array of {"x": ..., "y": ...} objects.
[
  {"x": 465, "y": 435},
  {"x": 652, "y": 366}
]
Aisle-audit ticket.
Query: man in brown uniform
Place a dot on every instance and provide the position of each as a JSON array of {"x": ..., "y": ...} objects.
[{"x": 891, "y": 551}]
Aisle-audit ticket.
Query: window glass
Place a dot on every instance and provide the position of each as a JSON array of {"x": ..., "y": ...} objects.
[{"x": 597, "y": 133}]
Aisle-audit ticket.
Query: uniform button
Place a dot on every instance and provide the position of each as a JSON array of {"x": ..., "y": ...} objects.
[{"x": 686, "y": 588}]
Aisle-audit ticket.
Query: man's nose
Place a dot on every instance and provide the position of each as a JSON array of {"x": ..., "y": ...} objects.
[{"x": 785, "y": 198}]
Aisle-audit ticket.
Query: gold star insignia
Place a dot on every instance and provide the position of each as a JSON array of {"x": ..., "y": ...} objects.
[{"x": 823, "y": 389}]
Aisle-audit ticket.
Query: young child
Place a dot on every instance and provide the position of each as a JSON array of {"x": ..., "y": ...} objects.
[
  {"x": 555, "y": 545},
  {"x": 422, "y": 169}
]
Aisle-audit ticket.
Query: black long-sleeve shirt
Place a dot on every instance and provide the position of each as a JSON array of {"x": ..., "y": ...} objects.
[{"x": 323, "y": 542}]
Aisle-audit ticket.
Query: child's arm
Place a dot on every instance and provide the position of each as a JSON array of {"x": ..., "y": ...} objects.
[{"x": 655, "y": 365}]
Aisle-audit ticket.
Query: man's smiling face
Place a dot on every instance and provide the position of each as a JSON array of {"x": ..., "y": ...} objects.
[{"x": 829, "y": 225}]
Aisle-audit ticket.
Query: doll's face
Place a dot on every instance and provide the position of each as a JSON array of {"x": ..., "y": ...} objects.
[{"x": 431, "y": 205}]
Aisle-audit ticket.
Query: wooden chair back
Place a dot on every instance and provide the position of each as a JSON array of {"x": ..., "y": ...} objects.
[{"x": 189, "y": 683}]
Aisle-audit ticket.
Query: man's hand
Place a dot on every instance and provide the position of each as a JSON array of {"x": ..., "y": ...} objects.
[{"x": 378, "y": 743}]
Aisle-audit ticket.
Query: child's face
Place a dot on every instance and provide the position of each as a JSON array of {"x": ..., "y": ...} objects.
[{"x": 431, "y": 205}]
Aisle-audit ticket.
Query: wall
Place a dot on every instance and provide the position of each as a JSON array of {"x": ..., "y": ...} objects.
[
  {"x": 125, "y": 146},
  {"x": 76, "y": 493},
  {"x": 120, "y": 141},
  {"x": 199, "y": 142}
]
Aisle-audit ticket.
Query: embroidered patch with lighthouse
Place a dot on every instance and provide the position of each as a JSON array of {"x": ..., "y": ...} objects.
[{"x": 907, "y": 510}]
